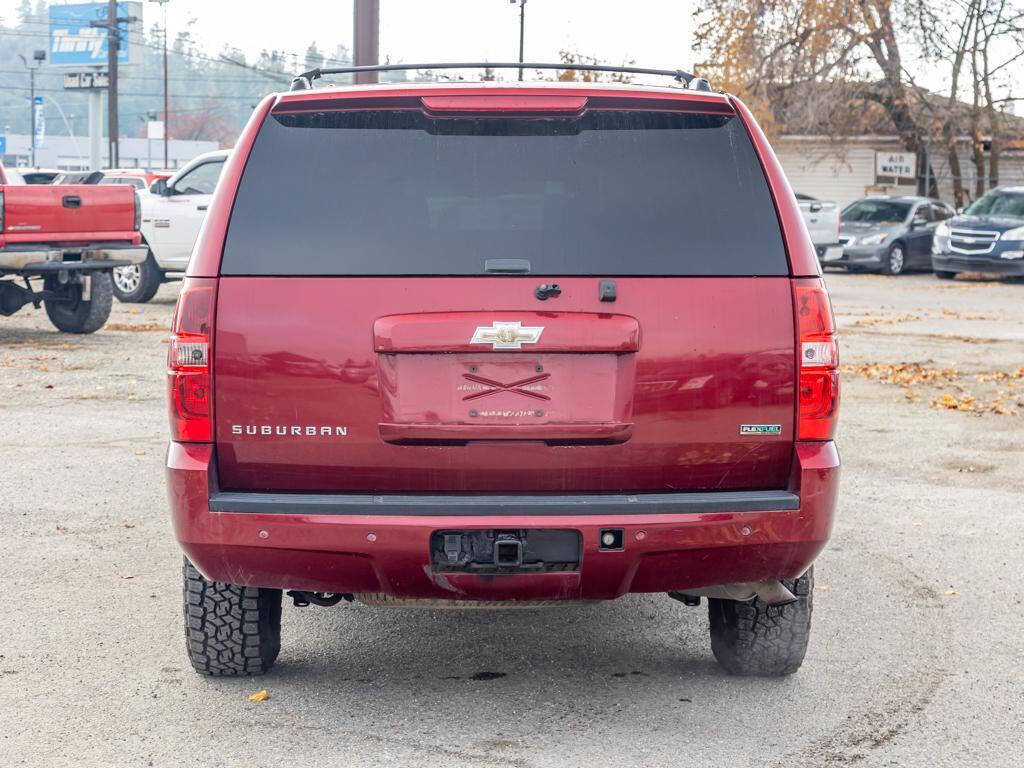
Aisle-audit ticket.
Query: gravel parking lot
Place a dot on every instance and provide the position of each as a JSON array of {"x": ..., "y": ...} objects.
[{"x": 916, "y": 647}]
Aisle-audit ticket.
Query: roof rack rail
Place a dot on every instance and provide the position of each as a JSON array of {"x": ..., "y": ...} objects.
[{"x": 305, "y": 80}]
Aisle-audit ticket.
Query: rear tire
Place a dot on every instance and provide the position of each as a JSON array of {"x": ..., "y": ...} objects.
[
  {"x": 77, "y": 316},
  {"x": 230, "y": 630},
  {"x": 943, "y": 275},
  {"x": 896, "y": 260},
  {"x": 755, "y": 639},
  {"x": 137, "y": 283}
]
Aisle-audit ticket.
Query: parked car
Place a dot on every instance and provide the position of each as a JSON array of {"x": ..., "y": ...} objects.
[
  {"x": 171, "y": 217},
  {"x": 420, "y": 354},
  {"x": 58, "y": 245},
  {"x": 139, "y": 178},
  {"x": 987, "y": 237},
  {"x": 78, "y": 177},
  {"x": 890, "y": 234},
  {"x": 822, "y": 220},
  {"x": 39, "y": 175}
]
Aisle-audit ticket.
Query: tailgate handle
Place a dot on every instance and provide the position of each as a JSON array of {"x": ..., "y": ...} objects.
[{"x": 71, "y": 201}]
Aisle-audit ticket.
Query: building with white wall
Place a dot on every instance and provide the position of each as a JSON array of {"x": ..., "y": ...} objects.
[
  {"x": 843, "y": 168},
  {"x": 69, "y": 153}
]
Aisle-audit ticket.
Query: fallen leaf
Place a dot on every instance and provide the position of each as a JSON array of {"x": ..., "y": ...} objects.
[
  {"x": 127, "y": 577},
  {"x": 822, "y": 587},
  {"x": 140, "y": 453},
  {"x": 952, "y": 593},
  {"x": 128, "y": 525},
  {"x": 259, "y": 695}
]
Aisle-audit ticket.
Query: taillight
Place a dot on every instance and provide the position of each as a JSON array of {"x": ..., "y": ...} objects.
[
  {"x": 188, "y": 362},
  {"x": 818, "y": 405},
  {"x": 1, "y": 211},
  {"x": 137, "y": 222}
]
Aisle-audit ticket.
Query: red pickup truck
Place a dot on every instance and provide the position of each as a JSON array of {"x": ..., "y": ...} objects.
[
  {"x": 553, "y": 342},
  {"x": 58, "y": 245}
]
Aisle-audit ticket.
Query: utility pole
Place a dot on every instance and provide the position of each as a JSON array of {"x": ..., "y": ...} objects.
[
  {"x": 522, "y": 30},
  {"x": 113, "y": 39},
  {"x": 163, "y": 4},
  {"x": 366, "y": 38}
]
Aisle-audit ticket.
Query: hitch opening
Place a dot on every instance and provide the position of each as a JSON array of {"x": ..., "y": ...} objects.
[{"x": 508, "y": 552}]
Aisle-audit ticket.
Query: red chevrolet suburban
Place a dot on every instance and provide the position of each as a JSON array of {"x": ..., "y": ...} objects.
[{"x": 502, "y": 342}]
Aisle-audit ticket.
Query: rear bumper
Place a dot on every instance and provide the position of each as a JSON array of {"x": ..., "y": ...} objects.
[
  {"x": 37, "y": 259},
  {"x": 342, "y": 543},
  {"x": 869, "y": 257},
  {"x": 951, "y": 262}
]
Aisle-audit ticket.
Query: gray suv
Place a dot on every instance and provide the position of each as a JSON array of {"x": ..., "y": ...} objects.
[{"x": 888, "y": 234}]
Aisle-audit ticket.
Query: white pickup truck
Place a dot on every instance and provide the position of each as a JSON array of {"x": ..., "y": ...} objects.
[
  {"x": 172, "y": 212},
  {"x": 822, "y": 220}
]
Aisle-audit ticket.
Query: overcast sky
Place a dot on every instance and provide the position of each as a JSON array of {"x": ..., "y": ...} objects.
[{"x": 655, "y": 33}]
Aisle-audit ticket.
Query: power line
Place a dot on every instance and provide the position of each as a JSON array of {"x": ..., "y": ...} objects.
[{"x": 139, "y": 93}]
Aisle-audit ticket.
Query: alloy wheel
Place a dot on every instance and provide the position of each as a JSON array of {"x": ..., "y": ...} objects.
[{"x": 127, "y": 278}]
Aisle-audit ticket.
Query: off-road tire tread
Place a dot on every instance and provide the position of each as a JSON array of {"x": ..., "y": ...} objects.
[
  {"x": 755, "y": 639},
  {"x": 88, "y": 316},
  {"x": 230, "y": 630}
]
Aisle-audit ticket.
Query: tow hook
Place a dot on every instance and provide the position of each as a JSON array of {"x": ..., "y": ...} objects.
[{"x": 303, "y": 599}]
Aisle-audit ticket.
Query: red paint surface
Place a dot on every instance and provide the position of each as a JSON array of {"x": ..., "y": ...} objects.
[
  {"x": 34, "y": 213},
  {"x": 713, "y": 353},
  {"x": 334, "y": 554}
]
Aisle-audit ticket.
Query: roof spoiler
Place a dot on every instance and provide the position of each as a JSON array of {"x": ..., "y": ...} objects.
[{"x": 305, "y": 80}]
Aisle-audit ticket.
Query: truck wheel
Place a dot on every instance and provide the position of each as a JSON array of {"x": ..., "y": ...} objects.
[
  {"x": 77, "y": 316},
  {"x": 230, "y": 630},
  {"x": 943, "y": 275},
  {"x": 755, "y": 639},
  {"x": 896, "y": 260},
  {"x": 137, "y": 283}
]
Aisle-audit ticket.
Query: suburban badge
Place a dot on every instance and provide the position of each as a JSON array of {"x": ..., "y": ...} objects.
[{"x": 506, "y": 335}]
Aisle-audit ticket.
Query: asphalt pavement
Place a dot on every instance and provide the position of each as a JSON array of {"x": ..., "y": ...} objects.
[{"x": 916, "y": 645}]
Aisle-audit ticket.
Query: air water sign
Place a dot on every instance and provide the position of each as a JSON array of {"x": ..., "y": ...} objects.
[
  {"x": 895, "y": 165},
  {"x": 75, "y": 42}
]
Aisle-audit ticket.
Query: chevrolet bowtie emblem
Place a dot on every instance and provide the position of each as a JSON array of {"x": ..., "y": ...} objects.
[{"x": 506, "y": 335}]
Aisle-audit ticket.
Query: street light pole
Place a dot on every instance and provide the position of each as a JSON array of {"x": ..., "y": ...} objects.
[
  {"x": 522, "y": 29},
  {"x": 163, "y": 4},
  {"x": 38, "y": 56},
  {"x": 32, "y": 110}
]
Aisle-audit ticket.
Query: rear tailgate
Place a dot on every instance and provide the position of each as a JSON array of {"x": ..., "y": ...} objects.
[
  {"x": 47, "y": 213},
  {"x": 361, "y": 343}
]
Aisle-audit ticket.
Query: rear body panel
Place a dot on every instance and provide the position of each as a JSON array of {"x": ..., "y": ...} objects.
[
  {"x": 686, "y": 363},
  {"x": 68, "y": 214}
]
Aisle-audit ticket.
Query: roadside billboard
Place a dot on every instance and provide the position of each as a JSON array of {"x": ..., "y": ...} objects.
[{"x": 74, "y": 42}]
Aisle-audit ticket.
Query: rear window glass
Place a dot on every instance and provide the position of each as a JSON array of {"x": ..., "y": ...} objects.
[{"x": 395, "y": 192}]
